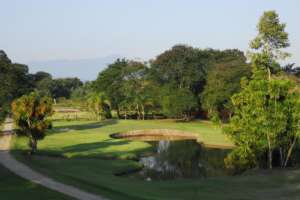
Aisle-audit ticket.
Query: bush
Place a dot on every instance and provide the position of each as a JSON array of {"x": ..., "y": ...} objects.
[{"x": 240, "y": 160}]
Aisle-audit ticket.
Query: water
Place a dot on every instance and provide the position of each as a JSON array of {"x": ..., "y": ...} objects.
[{"x": 182, "y": 159}]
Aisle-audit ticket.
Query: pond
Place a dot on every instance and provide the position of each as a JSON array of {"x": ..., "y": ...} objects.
[{"x": 179, "y": 157}]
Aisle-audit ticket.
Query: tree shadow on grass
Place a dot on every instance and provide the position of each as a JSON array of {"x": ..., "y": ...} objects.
[
  {"x": 94, "y": 145},
  {"x": 87, "y": 126},
  {"x": 90, "y": 150}
]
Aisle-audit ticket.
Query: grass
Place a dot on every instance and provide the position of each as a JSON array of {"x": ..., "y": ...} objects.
[
  {"x": 82, "y": 154},
  {"x": 68, "y": 116},
  {"x": 13, "y": 187},
  {"x": 93, "y": 138}
]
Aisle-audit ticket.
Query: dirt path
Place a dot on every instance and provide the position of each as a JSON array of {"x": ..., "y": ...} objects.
[{"x": 7, "y": 160}]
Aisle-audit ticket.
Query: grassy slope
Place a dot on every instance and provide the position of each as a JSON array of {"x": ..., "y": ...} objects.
[
  {"x": 83, "y": 142},
  {"x": 13, "y": 187}
]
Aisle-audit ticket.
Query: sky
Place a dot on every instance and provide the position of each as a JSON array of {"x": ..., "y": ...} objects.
[{"x": 38, "y": 32}]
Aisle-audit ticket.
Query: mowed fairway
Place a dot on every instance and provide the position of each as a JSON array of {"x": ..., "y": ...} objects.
[{"x": 81, "y": 153}]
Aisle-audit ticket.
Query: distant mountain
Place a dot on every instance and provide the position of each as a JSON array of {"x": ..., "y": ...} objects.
[{"x": 85, "y": 69}]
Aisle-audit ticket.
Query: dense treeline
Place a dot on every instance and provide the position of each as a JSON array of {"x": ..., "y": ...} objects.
[
  {"x": 175, "y": 84},
  {"x": 17, "y": 81},
  {"x": 182, "y": 82}
]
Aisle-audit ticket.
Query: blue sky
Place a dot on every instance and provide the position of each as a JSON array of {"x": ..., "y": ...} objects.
[{"x": 35, "y": 30}]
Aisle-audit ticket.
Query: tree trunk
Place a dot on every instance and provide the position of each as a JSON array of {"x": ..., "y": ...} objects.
[
  {"x": 118, "y": 112},
  {"x": 138, "y": 111},
  {"x": 281, "y": 157},
  {"x": 270, "y": 156},
  {"x": 33, "y": 145},
  {"x": 143, "y": 112},
  {"x": 269, "y": 73},
  {"x": 290, "y": 152},
  {"x": 270, "y": 159}
]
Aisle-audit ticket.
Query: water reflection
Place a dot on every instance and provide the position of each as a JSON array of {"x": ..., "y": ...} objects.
[{"x": 182, "y": 159}]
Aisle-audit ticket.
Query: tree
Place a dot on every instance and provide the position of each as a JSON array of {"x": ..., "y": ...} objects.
[
  {"x": 223, "y": 80},
  {"x": 270, "y": 40},
  {"x": 30, "y": 113},
  {"x": 181, "y": 67},
  {"x": 292, "y": 70},
  {"x": 15, "y": 80},
  {"x": 99, "y": 105},
  {"x": 128, "y": 88},
  {"x": 110, "y": 82},
  {"x": 63, "y": 87},
  {"x": 266, "y": 111},
  {"x": 187, "y": 68},
  {"x": 44, "y": 86},
  {"x": 179, "y": 104},
  {"x": 263, "y": 117},
  {"x": 83, "y": 91},
  {"x": 39, "y": 76},
  {"x": 137, "y": 90}
]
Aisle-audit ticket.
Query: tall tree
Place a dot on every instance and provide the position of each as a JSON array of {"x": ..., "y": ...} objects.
[
  {"x": 270, "y": 40},
  {"x": 266, "y": 111},
  {"x": 15, "y": 80},
  {"x": 136, "y": 89},
  {"x": 110, "y": 82},
  {"x": 181, "y": 67}
]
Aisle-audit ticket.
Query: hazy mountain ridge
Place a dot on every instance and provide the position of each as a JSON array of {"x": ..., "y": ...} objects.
[{"x": 85, "y": 69}]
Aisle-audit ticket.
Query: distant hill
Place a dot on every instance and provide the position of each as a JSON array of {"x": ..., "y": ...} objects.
[{"x": 85, "y": 69}]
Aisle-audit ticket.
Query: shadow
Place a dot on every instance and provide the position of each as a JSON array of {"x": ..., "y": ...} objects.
[
  {"x": 93, "y": 150},
  {"x": 3, "y": 133},
  {"x": 87, "y": 126},
  {"x": 94, "y": 145}
]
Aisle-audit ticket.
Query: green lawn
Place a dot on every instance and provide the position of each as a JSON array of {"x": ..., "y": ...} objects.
[
  {"x": 92, "y": 138},
  {"x": 13, "y": 187},
  {"x": 83, "y": 154}
]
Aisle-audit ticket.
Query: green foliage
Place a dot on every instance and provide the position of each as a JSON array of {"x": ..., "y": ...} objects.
[
  {"x": 240, "y": 160},
  {"x": 55, "y": 88},
  {"x": 136, "y": 89},
  {"x": 223, "y": 80},
  {"x": 99, "y": 105},
  {"x": 110, "y": 82},
  {"x": 127, "y": 87},
  {"x": 63, "y": 87},
  {"x": 270, "y": 40},
  {"x": 15, "y": 80},
  {"x": 271, "y": 33},
  {"x": 263, "y": 115},
  {"x": 80, "y": 93},
  {"x": 266, "y": 110},
  {"x": 30, "y": 113},
  {"x": 44, "y": 86},
  {"x": 179, "y": 103},
  {"x": 181, "y": 67}
]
